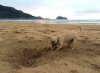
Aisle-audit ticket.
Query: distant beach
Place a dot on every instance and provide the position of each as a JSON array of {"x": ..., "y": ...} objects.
[{"x": 56, "y": 21}]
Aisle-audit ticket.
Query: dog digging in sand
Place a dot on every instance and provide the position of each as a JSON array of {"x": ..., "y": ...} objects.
[
  {"x": 55, "y": 43},
  {"x": 61, "y": 41},
  {"x": 65, "y": 40}
]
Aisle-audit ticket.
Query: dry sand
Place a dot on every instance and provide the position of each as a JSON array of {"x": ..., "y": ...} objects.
[{"x": 25, "y": 48}]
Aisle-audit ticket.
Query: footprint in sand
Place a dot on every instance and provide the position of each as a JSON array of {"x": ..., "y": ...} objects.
[
  {"x": 73, "y": 71},
  {"x": 96, "y": 67}
]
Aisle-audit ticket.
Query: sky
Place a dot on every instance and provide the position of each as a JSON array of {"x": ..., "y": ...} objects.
[{"x": 72, "y": 9}]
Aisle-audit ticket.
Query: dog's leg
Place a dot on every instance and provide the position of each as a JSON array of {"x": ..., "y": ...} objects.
[
  {"x": 60, "y": 46},
  {"x": 52, "y": 45},
  {"x": 72, "y": 46},
  {"x": 51, "y": 49}
]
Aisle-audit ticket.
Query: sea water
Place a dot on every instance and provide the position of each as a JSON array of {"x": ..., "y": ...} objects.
[{"x": 56, "y": 21}]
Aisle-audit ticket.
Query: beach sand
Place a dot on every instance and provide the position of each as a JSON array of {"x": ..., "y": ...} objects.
[{"x": 25, "y": 48}]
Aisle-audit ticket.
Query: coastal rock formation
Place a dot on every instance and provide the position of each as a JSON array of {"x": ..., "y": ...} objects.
[
  {"x": 61, "y": 17},
  {"x": 12, "y": 13}
]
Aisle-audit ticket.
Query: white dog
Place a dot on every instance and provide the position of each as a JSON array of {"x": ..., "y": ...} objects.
[{"x": 66, "y": 40}]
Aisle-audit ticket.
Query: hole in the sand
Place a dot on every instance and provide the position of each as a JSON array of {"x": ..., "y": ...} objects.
[
  {"x": 29, "y": 57},
  {"x": 23, "y": 57}
]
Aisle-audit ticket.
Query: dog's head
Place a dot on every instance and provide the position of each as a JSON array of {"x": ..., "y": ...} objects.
[{"x": 55, "y": 42}]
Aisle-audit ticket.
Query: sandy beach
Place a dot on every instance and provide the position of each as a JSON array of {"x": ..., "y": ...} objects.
[{"x": 25, "y": 48}]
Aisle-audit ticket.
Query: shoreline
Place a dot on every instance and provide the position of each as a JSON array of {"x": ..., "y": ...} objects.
[{"x": 54, "y": 21}]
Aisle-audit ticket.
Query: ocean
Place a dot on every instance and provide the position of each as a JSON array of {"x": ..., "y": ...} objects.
[{"x": 57, "y": 21}]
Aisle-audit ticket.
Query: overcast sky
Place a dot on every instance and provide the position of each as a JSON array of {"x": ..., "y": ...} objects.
[{"x": 72, "y": 9}]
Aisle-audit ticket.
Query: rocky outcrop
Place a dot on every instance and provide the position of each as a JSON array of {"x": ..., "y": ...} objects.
[{"x": 61, "y": 17}]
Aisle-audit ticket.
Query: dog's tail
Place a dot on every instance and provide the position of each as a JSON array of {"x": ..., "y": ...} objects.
[{"x": 80, "y": 29}]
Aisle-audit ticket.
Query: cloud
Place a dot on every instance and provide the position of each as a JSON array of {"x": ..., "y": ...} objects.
[
  {"x": 88, "y": 14},
  {"x": 52, "y": 13},
  {"x": 88, "y": 11},
  {"x": 73, "y": 9}
]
